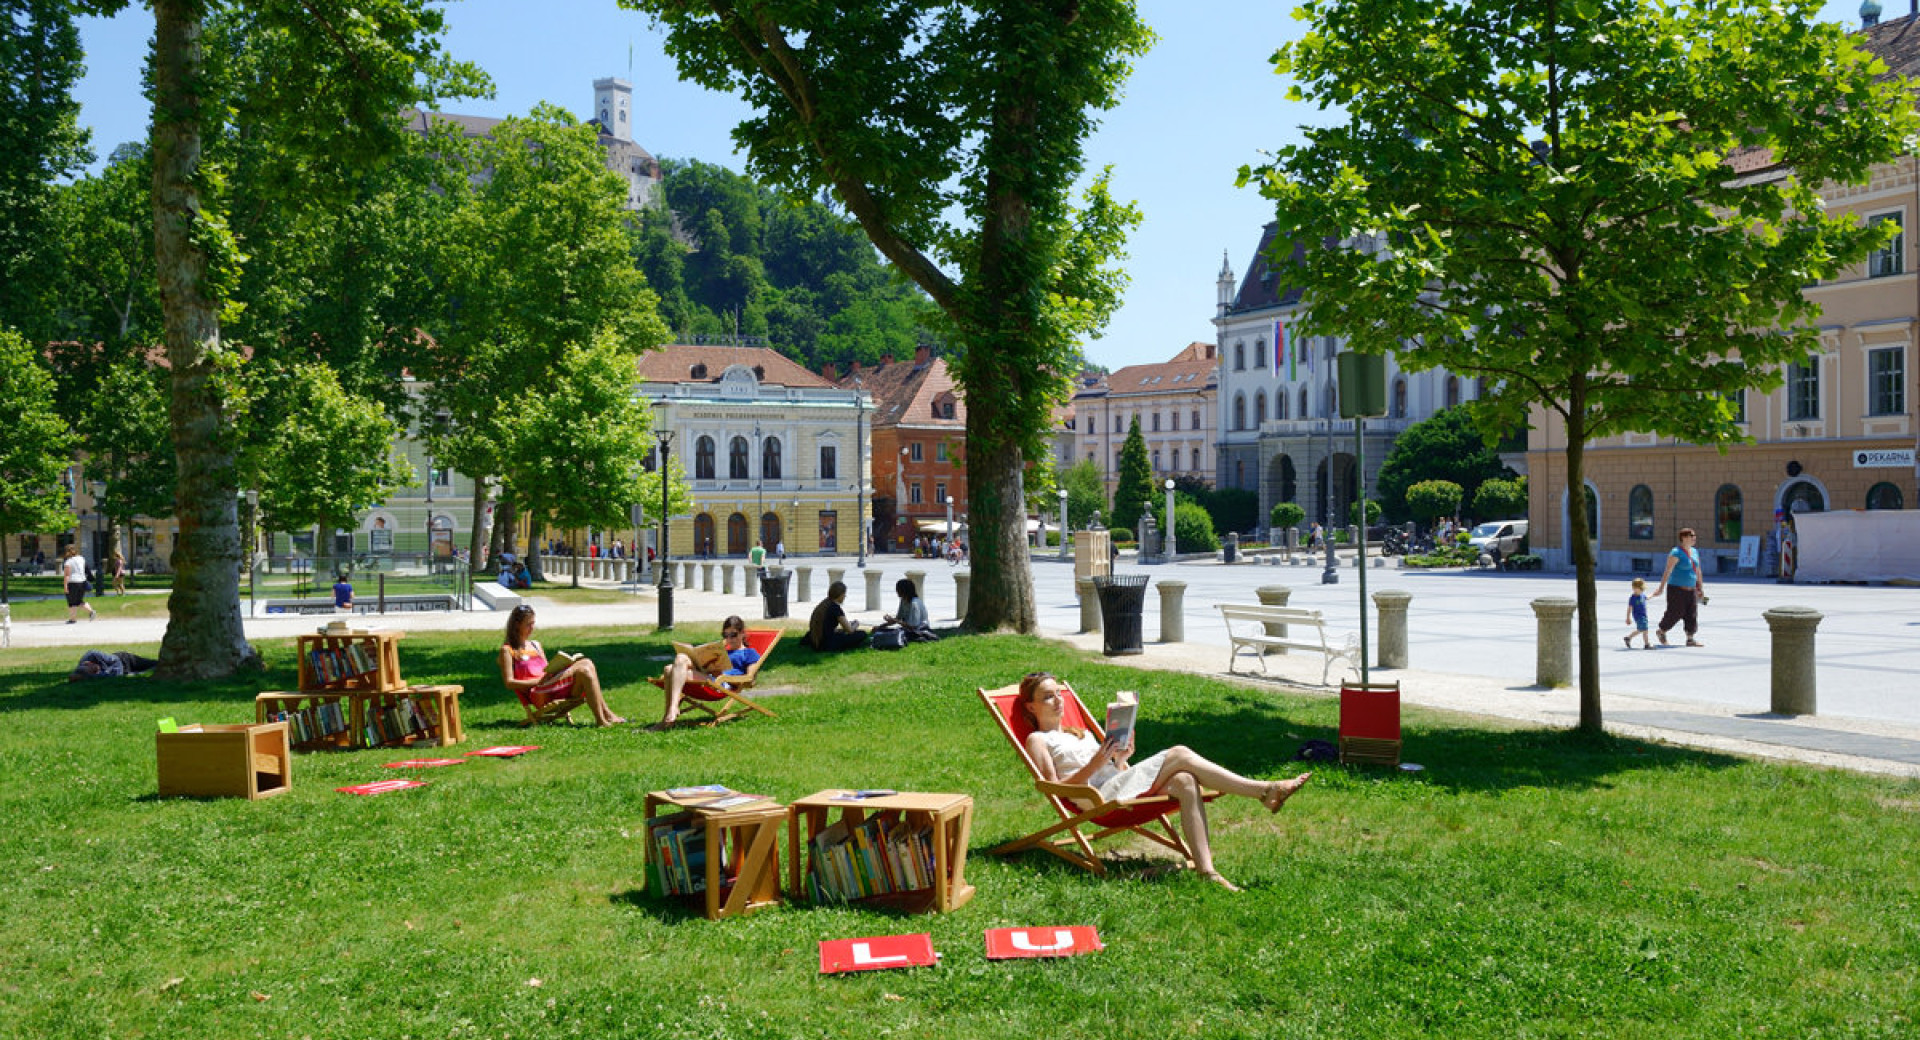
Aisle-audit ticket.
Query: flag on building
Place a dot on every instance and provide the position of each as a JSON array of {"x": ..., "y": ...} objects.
[{"x": 1280, "y": 347}]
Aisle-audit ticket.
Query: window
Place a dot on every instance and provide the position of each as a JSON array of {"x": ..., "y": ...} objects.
[
  {"x": 1259, "y": 353},
  {"x": 441, "y": 477},
  {"x": 770, "y": 459},
  {"x": 1239, "y": 412},
  {"x": 940, "y": 493},
  {"x": 1303, "y": 402},
  {"x": 1196, "y": 418},
  {"x": 829, "y": 462},
  {"x": 1737, "y": 403},
  {"x": 1174, "y": 464},
  {"x": 1280, "y": 404},
  {"x": 1259, "y": 408},
  {"x": 737, "y": 459},
  {"x": 940, "y": 452},
  {"x": 913, "y": 493},
  {"x": 1887, "y": 381},
  {"x": 1883, "y": 496},
  {"x": 1891, "y": 259},
  {"x": 1803, "y": 392},
  {"x": 1726, "y": 514},
  {"x": 1239, "y": 356},
  {"x": 1156, "y": 460},
  {"x": 1116, "y": 424},
  {"x": 703, "y": 459},
  {"x": 1640, "y": 513},
  {"x": 1804, "y": 497},
  {"x": 915, "y": 453},
  {"x": 1399, "y": 399},
  {"x": 1156, "y": 422},
  {"x": 1173, "y": 416},
  {"x": 1453, "y": 391},
  {"x": 829, "y": 530}
]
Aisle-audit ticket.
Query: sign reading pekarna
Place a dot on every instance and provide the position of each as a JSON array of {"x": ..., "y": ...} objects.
[{"x": 1882, "y": 458}]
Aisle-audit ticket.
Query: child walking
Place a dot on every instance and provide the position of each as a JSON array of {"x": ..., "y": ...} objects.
[{"x": 1637, "y": 615}]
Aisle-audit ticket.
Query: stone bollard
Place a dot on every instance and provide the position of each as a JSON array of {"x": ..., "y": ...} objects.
[
  {"x": 686, "y": 575},
  {"x": 1089, "y": 604},
  {"x": 962, "y": 592},
  {"x": 806, "y": 585},
  {"x": 706, "y": 577},
  {"x": 1392, "y": 644},
  {"x": 919, "y": 579},
  {"x": 1274, "y": 596},
  {"x": 1379, "y": 562},
  {"x": 1793, "y": 678},
  {"x": 753, "y": 579},
  {"x": 1173, "y": 605},
  {"x": 1553, "y": 660},
  {"x": 873, "y": 588},
  {"x": 726, "y": 579},
  {"x": 836, "y": 574}
]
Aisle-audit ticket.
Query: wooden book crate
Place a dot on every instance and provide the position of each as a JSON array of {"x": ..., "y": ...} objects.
[
  {"x": 267, "y": 705},
  {"x": 364, "y": 663},
  {"x": 751, "y": 834},
  {"x": 374, "y": 721},
  {"x": 251, "y": 762},
  {"x": 947, "y": 820}
]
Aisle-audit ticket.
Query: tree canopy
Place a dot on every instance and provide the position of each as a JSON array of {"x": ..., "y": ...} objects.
[
  {"x": 37, "y": 447},
  {"x": 1444, "y": 446},
  {"x": 1538, "y": 193},
  {"x": 1133, "y": 490}
]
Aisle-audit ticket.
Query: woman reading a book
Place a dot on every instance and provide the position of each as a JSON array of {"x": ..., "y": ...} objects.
[
  {"x": 1065, "y": 754},
  {"x": 523, "y": 668},
  {"x": 684, "y": 669}
]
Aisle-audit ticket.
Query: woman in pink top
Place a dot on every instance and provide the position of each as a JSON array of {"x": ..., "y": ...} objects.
[{"x": 523, "y": 667}]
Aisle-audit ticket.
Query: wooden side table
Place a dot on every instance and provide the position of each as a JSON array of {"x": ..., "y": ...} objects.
[
  {"x": 947, "y": 818},
  {"x": 219, "y": 761},
  {"x": 751, "y": 832}
]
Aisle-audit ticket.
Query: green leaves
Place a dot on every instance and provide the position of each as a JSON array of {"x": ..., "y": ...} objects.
[{"x": 37, "y": 447}]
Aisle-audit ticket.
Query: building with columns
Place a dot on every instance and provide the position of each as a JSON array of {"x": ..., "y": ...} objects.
[
  {"x": 1278, "y": 424},
  {"x": 772, "y": 451}
]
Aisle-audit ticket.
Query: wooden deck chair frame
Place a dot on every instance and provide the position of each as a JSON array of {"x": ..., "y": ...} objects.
[
  {"x": 725, "y": 699},
  {"x": 558, "y": 709},
  {"x": 1072, "y": 837}
]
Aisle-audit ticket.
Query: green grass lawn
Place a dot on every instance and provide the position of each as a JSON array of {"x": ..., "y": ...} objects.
[
  {"x": 1527, "y": 884},
  {"x": 43, "y": 598}
]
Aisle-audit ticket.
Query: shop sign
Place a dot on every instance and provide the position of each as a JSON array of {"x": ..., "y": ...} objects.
[{"x": 1882, "y": 458}]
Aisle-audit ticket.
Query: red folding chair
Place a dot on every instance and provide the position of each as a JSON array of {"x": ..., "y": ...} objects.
[{"x": 725, "y": 699}]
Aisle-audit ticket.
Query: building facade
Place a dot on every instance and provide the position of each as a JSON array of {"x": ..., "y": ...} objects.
[
  {"x": 919, "y": 431},
  {"x": 771, "y": 450},
  {"x": 1278, "y": 401},
  {"x": 1839, "y": 434},
  {"x": 1175, "y": 404}
]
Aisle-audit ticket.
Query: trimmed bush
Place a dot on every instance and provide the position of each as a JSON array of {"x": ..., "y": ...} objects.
[
  {"x": 1193, "y": 528},
  {"x": 1285, "y": 515}
]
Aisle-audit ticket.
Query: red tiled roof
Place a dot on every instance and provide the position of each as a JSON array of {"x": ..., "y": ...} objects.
[
  {"x": 675, "y": 363},
  {"x": 905, "y": 392}
]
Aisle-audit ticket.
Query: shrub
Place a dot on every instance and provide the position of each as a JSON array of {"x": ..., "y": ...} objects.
[
  {"x": 1433, "y": 498},
  {"x": 1501, "y": 499},
  {"x": 1285, "y": 515},
  {"x": 1373, "y": 514},
  {"x": 1120, "y": 534},
  {"x": 1193, "y": 528}
]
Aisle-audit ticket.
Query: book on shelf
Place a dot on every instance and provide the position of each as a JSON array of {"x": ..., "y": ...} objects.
[
  {"x": 320, "y": 721},
  {"x": 560, "y": 662},
  {"x": 875, "y": 858},
  {"x": 1121, "y": 712},
  {"x": 677, "y": 853},
  {"x": 710, "y": 658},
  {"x": 702, "y": 792},
  {"x": 400, "y": 720}
]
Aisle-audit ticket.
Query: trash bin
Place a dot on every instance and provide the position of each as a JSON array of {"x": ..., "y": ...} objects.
[
  {"x": 1232, "y": 549},
  {"x": 773, "y": 592},
  {"x": 1122, "y": 596}
]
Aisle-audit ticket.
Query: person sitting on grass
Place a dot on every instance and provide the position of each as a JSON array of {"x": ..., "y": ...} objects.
[
  {"x": 913, "y": 614},
  {"x": 740, "y": 657},
  {"x": 829, "y": 628},
  {"x": 106, "y": 664},
  {"x": 523, "y": 667},
  {"x": 1072, "y": 756}
]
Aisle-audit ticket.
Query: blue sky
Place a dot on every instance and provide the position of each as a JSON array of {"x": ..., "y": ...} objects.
[{"x": 1200, "y": 105}]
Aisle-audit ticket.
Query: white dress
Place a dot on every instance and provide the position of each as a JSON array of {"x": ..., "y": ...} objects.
[{"x": 1071, "y": 754}]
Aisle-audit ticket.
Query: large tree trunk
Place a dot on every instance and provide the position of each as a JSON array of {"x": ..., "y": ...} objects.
[
  {"x": 506, "y": 524},
  {"x": 535, "y": 530},
  {"x": 1587, "y": 620},
  {"x": 477, "y": 546},
  {"x": 204, "y": 636},
  {"x": 1002, "y": 593}
]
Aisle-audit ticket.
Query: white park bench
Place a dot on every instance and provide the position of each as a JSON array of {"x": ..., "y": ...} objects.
[{"x": 1248, "y": 628}]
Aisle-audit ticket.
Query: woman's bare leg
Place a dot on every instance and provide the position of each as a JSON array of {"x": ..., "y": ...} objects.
[
  {"x": 1270, "y": 793},
  {"x": 586, "y": 680},
  {"x": 677, "y": 673},
  {"x": 1193, "y": 826}
]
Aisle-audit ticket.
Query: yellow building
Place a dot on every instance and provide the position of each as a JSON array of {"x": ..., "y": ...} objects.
[{"x": 772, "y": 451}]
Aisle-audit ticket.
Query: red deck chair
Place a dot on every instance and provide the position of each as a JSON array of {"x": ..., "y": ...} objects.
[
  {"x": 547, "y": 707},
  {"x": 726, "y": 699},
  {"x": 1104, "y": 819}
]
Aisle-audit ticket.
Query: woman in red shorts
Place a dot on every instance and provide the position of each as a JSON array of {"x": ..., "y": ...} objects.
[{"x": 523, "y": 667}]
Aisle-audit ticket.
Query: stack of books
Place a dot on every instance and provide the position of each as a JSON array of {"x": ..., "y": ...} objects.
[
  {"x": 876, "y": 858},
  {"x": 677, "y": 853},
  {"x": 394, "y": 723},
  {"x": 348, "y": 661},
  {"x": 313, "y": 723}
]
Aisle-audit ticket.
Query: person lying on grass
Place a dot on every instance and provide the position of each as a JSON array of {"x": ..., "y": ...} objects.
[
  {"x": 523, "y": 667},
  {"x": 740, "y": 657},
  {"x": 1067, "y": 755},
  {"x": 103, "y": 664}
]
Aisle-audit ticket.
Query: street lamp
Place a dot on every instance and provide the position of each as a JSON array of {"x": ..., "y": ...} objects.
[
  {"x": 1171, "y": 547},
  {"x": 1063, "y": 523},
  {"x": 1330, "y": 576},
  {"x": 860, "y": 469},
  {"x": 664, "y": 591},
  {"x": 794, "y": 527},
  {"x": 759, "y": 485},
  {"x": 100, "y": 521}
]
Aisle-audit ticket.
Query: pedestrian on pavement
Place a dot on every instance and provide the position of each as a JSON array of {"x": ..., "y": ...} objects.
[
  {"x": 1637, "y": 615},
  {"x": 1684, "y": 588},
  {"x": 119, "y": 573},
  {"x": 757, "y": 558},
  {"x": 73, "y": 567},
  {"x": 780, "y": 550}
]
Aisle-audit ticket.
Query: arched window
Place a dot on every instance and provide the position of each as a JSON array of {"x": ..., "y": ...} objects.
[
  {"x": 1884, "y": 496},
  {"x": 1804, "y": 497},
  {"x": 1303, "y": 403},
  {"x": 1400, "y": 398},
  {"x": 737, "y": 460},
  {"x": 703, "y": 459},
  {"x": 1640, "y": 512},
  {"x": 1239, "y": 411},
  {"x": 1175, "y": 465},
  {"x": 1259, "y": 408},
  {"x": 770, "y": 459},
  {"x": 1726, "y": 514},
  {"x": 1333, "y": 400},
  {"x": 1239, "y": 356},
  {"x": 1259, "y": 353},
  {"x": 1280, "y": 404},
  {"x": 1453, "y": 391}
]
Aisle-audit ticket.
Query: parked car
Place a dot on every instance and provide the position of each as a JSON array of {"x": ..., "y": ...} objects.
[{"x": 1498, "y": 538}]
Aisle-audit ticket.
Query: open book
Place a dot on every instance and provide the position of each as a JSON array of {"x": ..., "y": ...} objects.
[
  {"x": 559, "y": 662},
  {"x": 710, "y": 658},
  {"x": 1120, "y": 716}
]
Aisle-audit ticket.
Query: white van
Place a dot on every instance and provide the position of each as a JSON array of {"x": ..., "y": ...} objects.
[{"x": 1498, "y": 538}]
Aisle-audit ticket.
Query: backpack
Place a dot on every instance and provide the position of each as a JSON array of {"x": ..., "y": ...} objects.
[{"x": 889, "y": 638}]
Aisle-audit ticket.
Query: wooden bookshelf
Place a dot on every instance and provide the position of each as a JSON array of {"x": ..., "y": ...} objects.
[
  {"x": 946, "y": 820},
  {"x": 251, "y": 762},
  {"x": 318, "y": 713},
  {"x": 750, "y": 834},
  {"x": 417, "y": 716},
  {"x": 367, "y": 662}
]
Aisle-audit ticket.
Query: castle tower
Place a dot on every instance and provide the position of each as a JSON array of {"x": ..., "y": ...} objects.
[{"x": 613, "y": 107}]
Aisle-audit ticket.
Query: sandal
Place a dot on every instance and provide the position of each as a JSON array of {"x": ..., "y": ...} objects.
[{"x": 1279, "y": 791}]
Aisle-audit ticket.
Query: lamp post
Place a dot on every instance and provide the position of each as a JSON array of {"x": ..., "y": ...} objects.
[
  {"x": 664, "y": 590},
  {"x": 793, "y": 525},
  {"x": 99, "y": 521},
  {"x": 1063, "y": 523},
  {"x": 1171, "y": 547},
  {"x": 1330, "y": 576},
  {"x": 860, "y": 469}
]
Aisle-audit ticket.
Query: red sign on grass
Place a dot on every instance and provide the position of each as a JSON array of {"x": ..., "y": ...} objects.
[
  {"x": 381, "y": 786},
  {"x": 1006, "y": 943},
  {"x": 505, "y": 750},
  {"x": 887, "y": 951},
  {"x": 426, "y": 763}
]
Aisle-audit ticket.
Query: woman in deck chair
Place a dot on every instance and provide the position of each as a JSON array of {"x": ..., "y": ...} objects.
[
  {"x": 740, "y": 657},
  {"x": 523, "y": 667},
  {"x": 1072, "y": 756}
]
